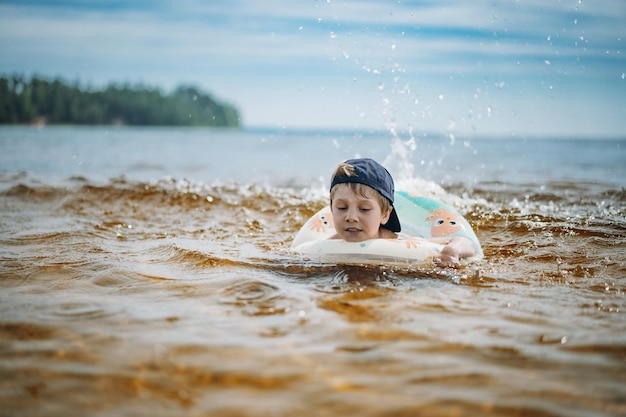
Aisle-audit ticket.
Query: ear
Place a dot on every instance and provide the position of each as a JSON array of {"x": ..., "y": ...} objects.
[{"x": 386, "y": 216}]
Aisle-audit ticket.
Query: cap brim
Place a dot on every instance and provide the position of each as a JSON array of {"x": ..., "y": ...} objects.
[{"x": 393, "y": 223}]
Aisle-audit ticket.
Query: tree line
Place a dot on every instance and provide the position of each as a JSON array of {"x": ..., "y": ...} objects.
[{"x": 40, "y": 100}]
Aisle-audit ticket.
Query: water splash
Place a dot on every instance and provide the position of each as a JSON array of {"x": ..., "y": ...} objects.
[
  {"x": 399, "y": 159},
  {"x": 398, "y": 162}
]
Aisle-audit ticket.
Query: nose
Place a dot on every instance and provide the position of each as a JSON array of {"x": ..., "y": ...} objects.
[{"x": 351, "y": 215}]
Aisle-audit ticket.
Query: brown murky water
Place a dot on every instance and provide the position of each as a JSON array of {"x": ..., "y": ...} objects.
[{"x": 173, "y": 298}]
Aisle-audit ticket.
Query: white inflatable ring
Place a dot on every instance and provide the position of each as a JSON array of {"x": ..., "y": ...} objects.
[{"x": 421, "y": 218}]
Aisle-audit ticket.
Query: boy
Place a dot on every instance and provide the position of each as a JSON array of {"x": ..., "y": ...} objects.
[{"x": 361, "y": 202}]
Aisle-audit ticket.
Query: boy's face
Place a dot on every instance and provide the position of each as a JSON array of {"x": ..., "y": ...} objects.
[{"x": 357, "y": 218}]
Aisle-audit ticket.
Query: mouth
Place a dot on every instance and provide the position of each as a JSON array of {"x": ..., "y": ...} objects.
[{"x": 353, "y": 234}]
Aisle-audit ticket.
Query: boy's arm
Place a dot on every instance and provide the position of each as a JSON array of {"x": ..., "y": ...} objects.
[{"x": 456, "y": 249}]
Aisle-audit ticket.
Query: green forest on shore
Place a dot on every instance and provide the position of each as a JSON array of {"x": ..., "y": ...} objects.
[{"x": 43, "y": 101}]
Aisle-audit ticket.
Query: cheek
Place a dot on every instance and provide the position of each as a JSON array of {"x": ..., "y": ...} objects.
[{"x": 376, "y": 219}]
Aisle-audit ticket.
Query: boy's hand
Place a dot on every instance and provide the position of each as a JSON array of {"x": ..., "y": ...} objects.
[
  {"x": 456, "y": 249},
  {"x": 447, "y": 258}
]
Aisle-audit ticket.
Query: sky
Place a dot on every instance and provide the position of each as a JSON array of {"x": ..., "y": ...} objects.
[{"x": 481, "y": 67}]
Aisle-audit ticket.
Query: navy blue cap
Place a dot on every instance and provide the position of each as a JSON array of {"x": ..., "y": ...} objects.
[{"x": 371, "y": 173}]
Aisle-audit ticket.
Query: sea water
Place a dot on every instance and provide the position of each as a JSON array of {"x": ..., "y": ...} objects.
[{"x": 147, "y": 271}]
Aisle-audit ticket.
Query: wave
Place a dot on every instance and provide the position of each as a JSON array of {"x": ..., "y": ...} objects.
[{"x": 225, "y": 224}]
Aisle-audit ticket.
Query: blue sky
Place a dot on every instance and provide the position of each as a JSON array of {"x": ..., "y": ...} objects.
[{"x": 481, "y": 67}]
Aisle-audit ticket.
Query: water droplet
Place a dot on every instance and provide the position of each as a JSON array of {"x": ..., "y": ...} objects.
[
  {"x": 547, "y": 62},
  {"x": 441, "y": 97},
  {"x": 333, "y": 35}
]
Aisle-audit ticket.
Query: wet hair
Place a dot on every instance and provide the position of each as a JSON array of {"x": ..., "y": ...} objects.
[{"x": 362, "y": 190}]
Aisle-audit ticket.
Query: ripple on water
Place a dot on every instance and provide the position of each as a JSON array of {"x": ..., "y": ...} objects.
[
  {"x": 255, "y": 298},
  {"x": 71, "y": 311}
]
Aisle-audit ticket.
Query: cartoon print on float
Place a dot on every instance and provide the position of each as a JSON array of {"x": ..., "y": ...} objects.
[
  {"x": 444, "y": 223},
  {"x": 322, "y": 223}
]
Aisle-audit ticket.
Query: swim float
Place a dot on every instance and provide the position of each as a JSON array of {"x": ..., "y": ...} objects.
[{"x": 421, "y": 218}]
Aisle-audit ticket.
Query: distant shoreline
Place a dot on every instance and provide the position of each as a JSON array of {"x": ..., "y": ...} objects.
[{"x": 42, "y": 102}]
